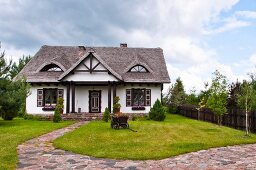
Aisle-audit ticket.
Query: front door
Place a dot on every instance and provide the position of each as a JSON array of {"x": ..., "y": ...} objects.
[{"x": 95, "y": 101}]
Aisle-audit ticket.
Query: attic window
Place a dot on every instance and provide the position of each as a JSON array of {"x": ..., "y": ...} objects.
[
  {"x": 138, "y": 69},
  {"x": 51, "y": 68}
]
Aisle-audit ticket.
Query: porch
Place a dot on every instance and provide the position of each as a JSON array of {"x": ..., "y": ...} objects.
[{"x": 89, "y": 99}]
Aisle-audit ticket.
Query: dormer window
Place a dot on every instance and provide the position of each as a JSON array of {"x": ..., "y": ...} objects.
[
  {"x": 51, "y": 68},
  {"x": 138, "y": 69}
]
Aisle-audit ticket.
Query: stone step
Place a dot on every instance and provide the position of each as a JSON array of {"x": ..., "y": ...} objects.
[{"x": 82, "y": 116}]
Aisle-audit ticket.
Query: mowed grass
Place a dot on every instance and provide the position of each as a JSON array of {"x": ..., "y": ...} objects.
[
  {"x": 153, "y": 140},
  {"x": 17, "y": 131}
]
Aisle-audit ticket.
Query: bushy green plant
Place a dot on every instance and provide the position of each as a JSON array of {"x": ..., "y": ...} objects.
[
  {"x": 106, "y": 115},
  {"x": 116, "y": 105},
  {"x": 12, "y": 93},
  {"x": 157, "y": 112},
  {"x": 58, "y": 110}
]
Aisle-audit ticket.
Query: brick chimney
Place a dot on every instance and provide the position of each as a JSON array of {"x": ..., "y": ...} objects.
[{"x": 123, "y": 45}]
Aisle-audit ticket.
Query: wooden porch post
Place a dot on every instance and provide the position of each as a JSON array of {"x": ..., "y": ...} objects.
[
  {"x": 73, "y": 97},
  {"x": 109, "y": 96},
  {"x": 114, "y": 92},
  {"x": 68, "y": 98}
]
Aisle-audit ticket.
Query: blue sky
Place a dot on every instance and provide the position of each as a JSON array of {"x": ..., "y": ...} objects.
[{"x": 197, "y": 36}]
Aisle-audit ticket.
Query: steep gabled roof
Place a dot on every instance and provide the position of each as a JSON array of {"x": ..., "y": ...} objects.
[{"x": 117, "y": 60}]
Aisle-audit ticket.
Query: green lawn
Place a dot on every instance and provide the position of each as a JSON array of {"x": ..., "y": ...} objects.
[
  {"x": 17, "y": 131},
  {"x": 154, "y": 140}
]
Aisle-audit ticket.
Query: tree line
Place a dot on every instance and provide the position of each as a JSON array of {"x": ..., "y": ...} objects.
[
  {"x": 12, "y": 92},
  {"x": 217, "y": 95}
]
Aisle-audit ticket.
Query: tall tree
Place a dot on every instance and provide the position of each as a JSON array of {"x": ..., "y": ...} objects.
[
  {"x": 4, "y": 65},
  {"x": 178, "y": 95},
  {"x": 217, "y": 100},
  {"x": 16, "y": 68},
  {"x": 13, "y": 93},
  {"x": 246, "y": 99}
]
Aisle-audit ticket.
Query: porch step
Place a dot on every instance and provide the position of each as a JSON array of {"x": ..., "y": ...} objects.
[{"x": 82, "y": 116}]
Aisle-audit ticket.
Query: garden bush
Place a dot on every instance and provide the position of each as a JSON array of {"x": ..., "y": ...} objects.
[
  {"x": 106, "y": 115},
  {"x": 157, "y": 112},
  {"x": 58, "y": 110}
]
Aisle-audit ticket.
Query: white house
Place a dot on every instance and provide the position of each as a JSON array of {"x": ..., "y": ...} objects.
[{"x": 88, "y": 78}]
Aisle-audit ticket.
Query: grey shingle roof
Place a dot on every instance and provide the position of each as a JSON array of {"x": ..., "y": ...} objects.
[{"x": 117, "y": 60}]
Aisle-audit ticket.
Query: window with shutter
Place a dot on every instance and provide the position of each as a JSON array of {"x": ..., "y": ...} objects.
[
  {"x": 40, "y": 94},
  {"x": 128, "y": 97},
  {"x": 60, "y": 93},
  {"x": 148, "y": 97}
]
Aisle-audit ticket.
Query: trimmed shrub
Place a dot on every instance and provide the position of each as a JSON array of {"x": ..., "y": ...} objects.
[
  {"x": 106, "y": 115},
  {"x": 157, "y": 112},
  {"x": 58, "y": 110},
  {"x": 117, "y": 105}
]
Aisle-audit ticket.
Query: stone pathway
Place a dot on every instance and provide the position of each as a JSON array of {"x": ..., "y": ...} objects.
[{"x": 38, "y": 153}]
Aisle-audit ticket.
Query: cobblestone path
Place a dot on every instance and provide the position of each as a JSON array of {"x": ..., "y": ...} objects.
[{"x": 38, "y": 153}]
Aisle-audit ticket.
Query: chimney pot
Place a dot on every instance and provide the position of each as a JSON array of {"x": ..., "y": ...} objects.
[{"x": 123, "y": 45}]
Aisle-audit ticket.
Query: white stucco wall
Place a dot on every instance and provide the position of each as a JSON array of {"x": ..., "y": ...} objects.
[
  {"x": 31, "y": 100},
  {"x": 82, "y": 98}
]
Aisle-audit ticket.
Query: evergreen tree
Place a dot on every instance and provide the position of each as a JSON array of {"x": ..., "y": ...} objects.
[
  {"x": 4, "y": 66},
  {"x": 13, "y": 93},
  {"x": 157, "y": 112},
  {"x": 106, "y": 115},
  {"x": 178, "y": 95},
  {"x": 16, "y": 68}
]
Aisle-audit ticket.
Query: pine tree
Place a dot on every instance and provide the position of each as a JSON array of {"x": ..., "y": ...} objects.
[
  {"x": 157, "y": 112},
  {"x": 178, "y": 95}
]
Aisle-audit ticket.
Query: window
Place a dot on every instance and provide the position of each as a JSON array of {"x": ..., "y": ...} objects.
[
  {"x": 138, "y": 97},
  {"x": 138, "y": 69},
  {"x": 51, "y": 68},
  {"x": 48, "y": 97}
]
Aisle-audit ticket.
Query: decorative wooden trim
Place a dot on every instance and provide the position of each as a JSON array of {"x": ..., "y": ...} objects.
[
  {"x": 148, "y": 97},
  {"x": 128, "y": 97},
  {"x": 60, "y": 93},
  {"x": 85, "y": 65},
  {"x": 96, "y": 66},
  {"x": 40, "y": 97},
  {"x": 91, "y": 62}
]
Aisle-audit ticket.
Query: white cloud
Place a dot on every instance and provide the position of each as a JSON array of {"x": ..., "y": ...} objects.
[
  {"x": 230, "y": 24},
  {"x": 247, "y": 14}
]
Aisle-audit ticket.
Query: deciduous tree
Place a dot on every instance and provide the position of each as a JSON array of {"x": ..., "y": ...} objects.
[
  {"x": 246, "y": 99},
  {"x": 217, "y": 100}
]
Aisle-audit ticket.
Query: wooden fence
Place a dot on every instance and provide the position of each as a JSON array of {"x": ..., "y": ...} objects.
[{"x": 235, "y": 117}]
